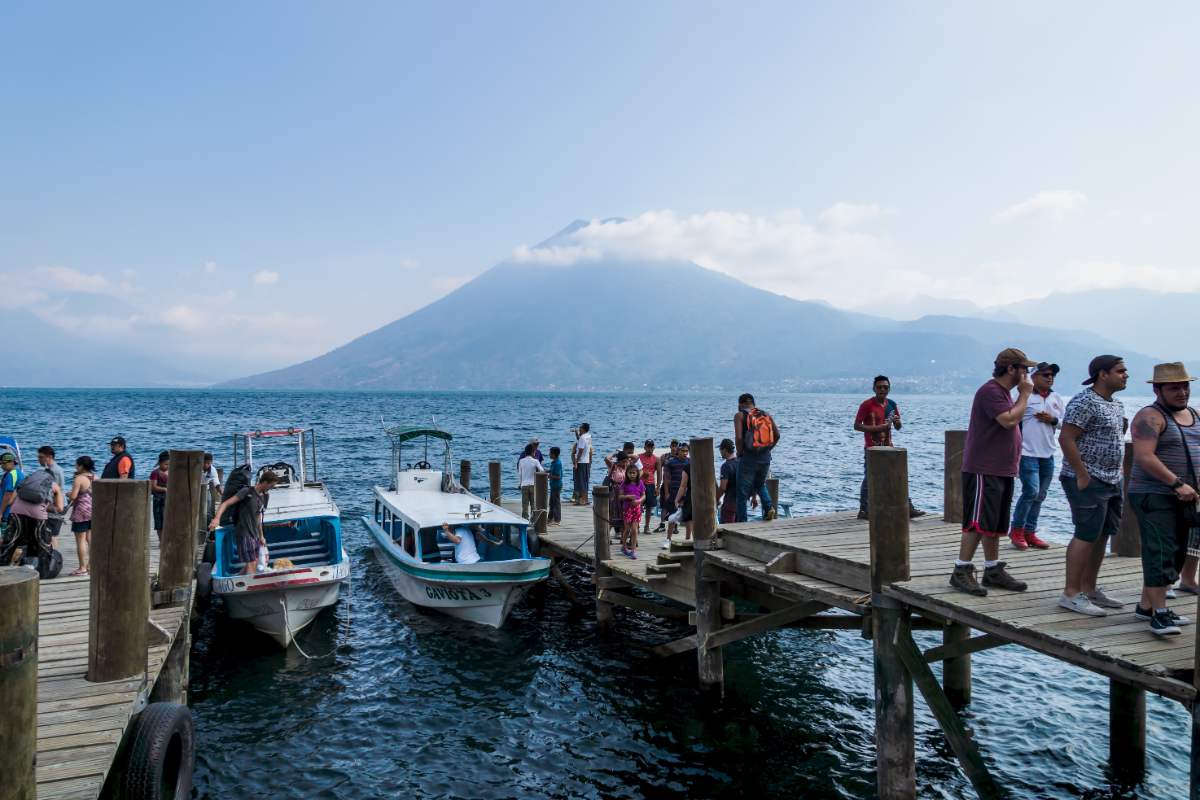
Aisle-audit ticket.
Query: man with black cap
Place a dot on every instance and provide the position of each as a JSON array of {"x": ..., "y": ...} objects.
[
  {"x": 991, "y": 458},
  {"x": 1038, "y": 428},
  {"x": 1092, "y": 439},
  {"x": 121, "y": 463}
]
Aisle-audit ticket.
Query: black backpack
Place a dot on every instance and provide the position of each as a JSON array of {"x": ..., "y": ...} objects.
[{"x": 239, "y": 478}]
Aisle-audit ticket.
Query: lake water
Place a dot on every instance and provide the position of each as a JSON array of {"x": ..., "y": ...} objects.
[{"x": 418, "y": 705}]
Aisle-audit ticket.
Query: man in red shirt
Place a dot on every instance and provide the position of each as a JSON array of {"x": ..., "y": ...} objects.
[
  {"x": 650, "y": 473},
  {"x": 876, "y": 418},
  {"x": 990, "y": 463}
]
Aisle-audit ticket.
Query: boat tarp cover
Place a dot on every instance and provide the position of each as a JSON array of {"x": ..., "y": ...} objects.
[{"x": 401, "y": 435}]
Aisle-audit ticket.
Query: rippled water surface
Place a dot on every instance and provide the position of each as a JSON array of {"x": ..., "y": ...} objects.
[{"x": 413, "y": 704}]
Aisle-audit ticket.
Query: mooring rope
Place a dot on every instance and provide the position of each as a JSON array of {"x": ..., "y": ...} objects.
[{"x": 349, "y": 610}]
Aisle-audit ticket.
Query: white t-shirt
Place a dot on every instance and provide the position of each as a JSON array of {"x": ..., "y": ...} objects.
[
  {"x": 527, "y": 467},
  {"x": 583, "y": 449},
  {"x": 210, "y": 476},
  {"x": 464, "y": 551},
  {"x": 1038, "y": 438}
]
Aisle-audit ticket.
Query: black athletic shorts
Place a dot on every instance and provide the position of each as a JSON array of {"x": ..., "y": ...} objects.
[
  {"x": 54, "y": 525},
  {"x": 668, "y": 502},
  {"x": 651, "y": 499},
  {"x": 987, "y": 500},
  {"x": 686, "y": 516}
]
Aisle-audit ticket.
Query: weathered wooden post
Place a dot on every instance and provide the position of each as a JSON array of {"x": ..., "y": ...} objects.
[
  {"x": 494, "y": 482},
  {"x": 1195, "y": 790},
  {"x": 177, "y": 558},
  {"x": 1128, "y": 541},
  {"x": 773, "y": 491},
  {"x": 203, "y": 491},
  {"x": 464, "y": 474},
  {"x": 956, "y": 672},
  {"x": 952, "y": 488},
  {"x": 541, "y": 501},
  {"x": 119, "y": 611},
  {"x": 1126, "y": 731},
  {"x": 703, "y": 487},
  {"x": 601, "y": 554},
  {"x": 18, "y": 681},
  {"x": 887, "y": 499}
]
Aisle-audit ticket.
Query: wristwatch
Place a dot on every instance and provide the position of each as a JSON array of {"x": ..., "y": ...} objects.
[{"x": 1178, "y": 482}]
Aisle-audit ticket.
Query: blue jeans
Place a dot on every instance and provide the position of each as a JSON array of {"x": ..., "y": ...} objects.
[
  {"x": 752, "y": 479},
  {"x": 1036, "y": 476}
]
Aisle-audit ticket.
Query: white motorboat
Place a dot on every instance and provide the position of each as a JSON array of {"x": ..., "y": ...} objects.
[
  {"x": 406, "y": 530},
  {"x": 302, "y": 525}
]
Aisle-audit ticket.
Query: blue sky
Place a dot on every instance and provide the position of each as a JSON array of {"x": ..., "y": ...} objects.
[{"x": 204, "y": 174}]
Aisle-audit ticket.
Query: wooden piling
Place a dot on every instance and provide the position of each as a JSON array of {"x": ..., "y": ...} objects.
[
  {"x": 119, "y": 608},
  {"x": 1194, "y": 793},
  {"x": 1128, "y": 541},
  {"x": 172, "y": 683},
  {"x": 703, "y": 486},
  {"x": 887, "y": 498},
  {"x": 494, "y": 482},
  {"x": 956, "y": 672},
  {"x": 19, "y": 593},
  {"x": 952, "y": 488},
  {"x": 464, "y": 474},
  {"x": 1126, "y": 731},
  {"x": 773, "y": 491},
  {"x": 176, "y": 564},
  {"x": 541, "y": 501},
  {"x": 601, "y": 552}
]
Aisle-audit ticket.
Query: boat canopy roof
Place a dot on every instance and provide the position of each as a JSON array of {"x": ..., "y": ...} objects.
[
  {"x": 429, "y": 509},
  {"x": 401, "y": 435}
]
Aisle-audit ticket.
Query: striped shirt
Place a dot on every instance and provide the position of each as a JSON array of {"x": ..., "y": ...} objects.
[{"x": 1171, "y": 453}]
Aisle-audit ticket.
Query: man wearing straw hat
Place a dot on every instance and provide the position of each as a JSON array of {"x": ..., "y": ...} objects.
[{"x": 1162, "y": 492}]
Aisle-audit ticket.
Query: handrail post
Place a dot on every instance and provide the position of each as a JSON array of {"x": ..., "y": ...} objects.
[
  {"x": 1128, "y": 541},
  {"x": 494, "y": 482},
  {"x": 887, "y": 499},
  {"x": 464, "y": 474},
  {"x": 541, "y": 501},
  {"x": 120, "y": 580},
  {"x": 952, "y": 487},
  {"x": 702, "y": 484},
  {"x": 176, "y": 563},
  {"x": 601, "y": 553}
]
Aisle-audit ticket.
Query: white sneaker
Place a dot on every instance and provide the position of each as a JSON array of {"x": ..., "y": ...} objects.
[
  {"x": 1171, "y": 593},
  {"x": 1081, "y": 605},
  {"x": 666, "y": 545}
]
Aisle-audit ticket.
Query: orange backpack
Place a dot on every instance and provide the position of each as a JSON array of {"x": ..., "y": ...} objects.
[{"x": 760, "y": 431}]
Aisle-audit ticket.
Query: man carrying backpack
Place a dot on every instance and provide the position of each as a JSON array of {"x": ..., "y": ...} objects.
[
  {"x": 28, "y": 534},
  {"x": 10, "y": 476},
  {"x": 755, "y": 435}
]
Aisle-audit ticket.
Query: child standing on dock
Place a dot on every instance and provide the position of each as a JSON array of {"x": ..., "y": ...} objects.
[
  {"x": 158, "y": 491},
  {"x": 633, "y": 494}
]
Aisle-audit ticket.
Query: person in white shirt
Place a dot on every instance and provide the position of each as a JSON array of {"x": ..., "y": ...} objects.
[
  {"x": 1039, "y": 431},
  {"x": 581, "y": 460},
  {"x": 464, "y": 543},
  {"x": 211, "y": 485},
  {"x": 527, "y": 468}
]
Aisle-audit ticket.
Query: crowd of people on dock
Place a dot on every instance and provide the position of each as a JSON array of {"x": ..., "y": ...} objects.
[{"x": 35, "y": 504}]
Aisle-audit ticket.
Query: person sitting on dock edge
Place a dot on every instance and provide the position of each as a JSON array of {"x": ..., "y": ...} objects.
[
  {"x": 755, "y": 435},
  {"x": 1092, "y": 439},
  {"x": 990, "y": 460},
  {"x": 1162, "y": 493},
  {"x": 877, "y": 416},
  {"x": 1043, "y": 415},
  {"x": 121, "y": 464},
  {"x": 248, "y": 528}
]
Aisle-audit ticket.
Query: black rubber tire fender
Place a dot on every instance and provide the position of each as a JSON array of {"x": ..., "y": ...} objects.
[
  {"x": 161, "y": 756},
  {"x": 204, "y": 579}
]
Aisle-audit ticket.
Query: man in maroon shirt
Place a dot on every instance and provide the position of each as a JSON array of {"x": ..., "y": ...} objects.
[{"x": 991, "y": 459}]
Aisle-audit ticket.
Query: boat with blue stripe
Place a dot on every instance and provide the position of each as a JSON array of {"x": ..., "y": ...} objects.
[{"x": 445, "y": 548}]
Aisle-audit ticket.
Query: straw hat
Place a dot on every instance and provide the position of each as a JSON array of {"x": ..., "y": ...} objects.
[{"x": 1172, "y": 372}]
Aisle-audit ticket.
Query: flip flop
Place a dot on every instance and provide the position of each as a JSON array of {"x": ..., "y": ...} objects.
[
  {"x": 1187, "y": 589},
  {"x": 79, "y": 572}
]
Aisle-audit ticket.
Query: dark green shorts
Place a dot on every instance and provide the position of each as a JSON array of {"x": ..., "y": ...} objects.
[
  {"x": 1164, "y": 530},
  {"x": 1095, "y": 510}
]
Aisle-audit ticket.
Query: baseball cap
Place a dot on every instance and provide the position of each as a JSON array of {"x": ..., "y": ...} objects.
[
  {"x": 118, "y": 440},
  {"x": 1101, "y": 364},
  {"x": 1046, "y": 365},
  {"x": 7, "y": 457},
  {"x": 1011, "y": 356}
]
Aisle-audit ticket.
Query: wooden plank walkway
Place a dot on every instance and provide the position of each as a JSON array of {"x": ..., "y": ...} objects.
[{"x": 79, "y": 723}]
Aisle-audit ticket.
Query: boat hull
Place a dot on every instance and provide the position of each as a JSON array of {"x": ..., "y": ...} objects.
[
  {"x": 455, "y": 592},
  {"x": 276, "y": 608}
]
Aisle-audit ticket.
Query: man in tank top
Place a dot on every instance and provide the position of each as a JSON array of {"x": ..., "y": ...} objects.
[{"x": 1162, "y": 492}]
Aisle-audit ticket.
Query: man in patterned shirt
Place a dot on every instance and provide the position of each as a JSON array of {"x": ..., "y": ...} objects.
[{"x": 1092, "y": 439}]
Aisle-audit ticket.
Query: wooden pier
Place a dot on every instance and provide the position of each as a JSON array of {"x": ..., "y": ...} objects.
[
  {"x": 885, "y": 577},
  {"x": 105, "y": 648}
]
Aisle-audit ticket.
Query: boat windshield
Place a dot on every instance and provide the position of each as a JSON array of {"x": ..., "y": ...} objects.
[{"x": 492, "y": 543}]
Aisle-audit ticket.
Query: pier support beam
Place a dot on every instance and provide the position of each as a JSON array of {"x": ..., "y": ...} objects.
[
  {"x": 600, "y": 553},
  {"x": 172, "y": 683},
  {"x": 1128, "y": 541},
  {"x": 952, "y": 489},
  {"x": 120, "y": 584},
  {"x": 494, "y": 482},
  {"x": 464, "y": 474},
  {"x": 177, "y": 558},
  {"x": 887, "y": 498},
  {"x": 703, "y": 486},
  {"x": 1126, "y": 731},
  {"x": 541, "y": 502},
  {"x": 18, "y": 681},
  {"x": 956, "y": 672}
]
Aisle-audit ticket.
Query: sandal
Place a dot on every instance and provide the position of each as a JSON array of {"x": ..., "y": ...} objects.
[
  {"x": 1187, "y": 589},
  {"x": 78, "y": 572}
]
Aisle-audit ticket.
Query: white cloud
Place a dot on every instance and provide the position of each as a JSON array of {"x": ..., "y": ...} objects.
[
  {"x": 407, "y": 263},
  {"x": 1053, "y": 206},
  {"x": 265, "y": 276},
  {"x": 209, "y": 267},
  {"x": 183, "y": 318},
  {"x": 66, "y": 279},
  {"x": 847, "y": 215}
]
